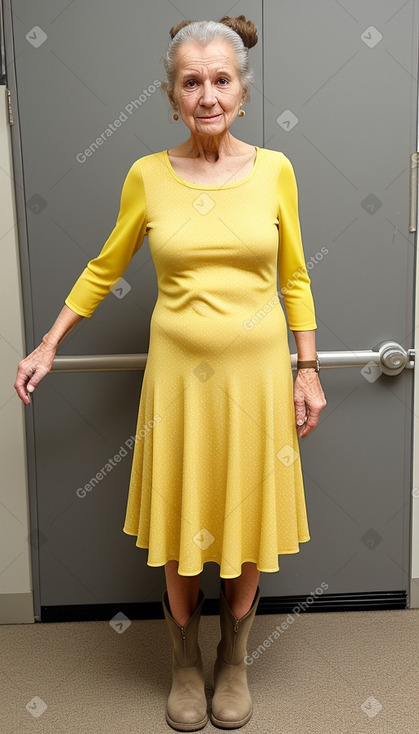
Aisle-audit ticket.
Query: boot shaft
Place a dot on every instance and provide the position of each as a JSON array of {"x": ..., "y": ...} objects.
[
  {"x": 186, "y": 650},
  {"x": 234, "y": 632}
]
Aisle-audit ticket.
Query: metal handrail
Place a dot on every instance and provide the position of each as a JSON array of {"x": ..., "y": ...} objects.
[{"x": 389, "y": 356}]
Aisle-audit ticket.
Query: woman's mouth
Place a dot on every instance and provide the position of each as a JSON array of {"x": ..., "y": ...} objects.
[{"x": 209, "y": 118}]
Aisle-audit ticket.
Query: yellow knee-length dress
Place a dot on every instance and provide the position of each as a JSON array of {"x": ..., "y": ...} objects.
[{"x": 216, "y": 469}]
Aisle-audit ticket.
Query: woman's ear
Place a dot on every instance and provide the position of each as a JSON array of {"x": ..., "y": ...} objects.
[{"x": 172, "y": 101}]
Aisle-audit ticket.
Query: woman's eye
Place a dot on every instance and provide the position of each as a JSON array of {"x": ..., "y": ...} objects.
[{"x": 192, "y": 81}]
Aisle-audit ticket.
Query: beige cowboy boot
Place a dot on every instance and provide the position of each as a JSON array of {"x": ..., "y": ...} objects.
[
  {"x": 231, "y": 703},
  {"x": 187, "y": 704}
]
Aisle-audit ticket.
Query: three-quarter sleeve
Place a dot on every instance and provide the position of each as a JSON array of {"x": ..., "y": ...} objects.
[
  {"x": 101, "y": 273},
  {"x": 295, "y": 284}
]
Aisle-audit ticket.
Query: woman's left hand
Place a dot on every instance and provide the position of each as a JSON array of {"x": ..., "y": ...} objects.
[{"x": 309, "y": 401}]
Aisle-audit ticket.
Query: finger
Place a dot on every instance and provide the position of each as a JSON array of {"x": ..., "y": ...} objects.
[
  {"x": 29, "y": 373},
  {"x": 300, "y": 410},
  {"x": 27, "y": 380},
  {"x": 312, "y": 416},
  {"x": 304, "y": 430},
  {"x": 309, "y": 425},
  {"x": 300, "y": 413},
  {"x": 36, "y": 377},
  {"x": 311, "y": 420},
  {"x": 20, "y": 387}
]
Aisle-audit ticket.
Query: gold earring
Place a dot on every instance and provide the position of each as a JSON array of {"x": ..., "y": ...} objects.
[
  {"x": 241, "y": 113},
  {"x": 175, "y": 116}
]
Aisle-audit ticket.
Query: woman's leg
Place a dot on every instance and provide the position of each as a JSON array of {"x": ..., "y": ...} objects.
[
  {"x": 182, "y": 592},
  {"x": 240, "y": 592}
]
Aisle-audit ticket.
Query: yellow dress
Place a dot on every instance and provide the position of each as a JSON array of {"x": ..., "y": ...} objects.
[{"x": 216, "y": 470}]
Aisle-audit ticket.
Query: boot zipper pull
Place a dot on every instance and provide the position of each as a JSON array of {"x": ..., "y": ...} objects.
[{"x": 182, "y": 632}]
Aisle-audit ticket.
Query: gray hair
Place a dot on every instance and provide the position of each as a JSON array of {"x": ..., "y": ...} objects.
[{"x": 204, "y": 31}]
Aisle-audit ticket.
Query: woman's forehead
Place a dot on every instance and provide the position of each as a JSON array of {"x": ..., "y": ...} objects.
[{"x": 194, "y": 56}]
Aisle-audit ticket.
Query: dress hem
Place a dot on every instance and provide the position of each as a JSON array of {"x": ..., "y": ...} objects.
[{"x": 214, "y": 560}]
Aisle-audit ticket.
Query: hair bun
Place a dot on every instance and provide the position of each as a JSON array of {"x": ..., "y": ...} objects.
[
  {"x": 176, "y": 28},
  {"x": 246, "y": 29}
]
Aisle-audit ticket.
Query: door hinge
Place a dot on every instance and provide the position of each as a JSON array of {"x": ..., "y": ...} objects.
[
  {"x": 413, "y": 193},
  {"x": 9, "y": 104}
]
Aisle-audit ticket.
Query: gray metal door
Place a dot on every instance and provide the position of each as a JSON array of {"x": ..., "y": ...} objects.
[
  {"x": 340, "y": 92},
  {"x": 338, "y": 96}
]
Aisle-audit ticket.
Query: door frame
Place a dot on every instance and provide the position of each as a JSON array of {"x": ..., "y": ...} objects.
[
  {"x": 413, "y": 601},
  {"x": 29, "y": 510}
]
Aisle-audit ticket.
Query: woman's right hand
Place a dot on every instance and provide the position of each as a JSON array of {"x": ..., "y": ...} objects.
[
  {"x": 33, "y": 368},
  {"x": 38, "y": 363}
]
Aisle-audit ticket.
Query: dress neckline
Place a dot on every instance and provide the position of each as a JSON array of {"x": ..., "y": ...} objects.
[{"x": 231, "y": 185}]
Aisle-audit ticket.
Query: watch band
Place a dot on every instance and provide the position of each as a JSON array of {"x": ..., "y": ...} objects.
[{"x": 301, "y": 364}]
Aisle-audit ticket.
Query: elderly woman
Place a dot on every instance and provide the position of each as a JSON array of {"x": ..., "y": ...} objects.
[{"x": 216, "y": 473}]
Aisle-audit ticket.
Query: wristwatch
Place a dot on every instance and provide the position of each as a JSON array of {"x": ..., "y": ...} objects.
[{"x": 301, "y": 364}]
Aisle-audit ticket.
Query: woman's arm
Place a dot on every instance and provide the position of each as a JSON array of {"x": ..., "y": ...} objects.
[
  {"x": 306, "y": 344},
  {"x": 309, "y": 398},
  {"x": 94, "y": 283},
  {"x": 38, "y": 363}
]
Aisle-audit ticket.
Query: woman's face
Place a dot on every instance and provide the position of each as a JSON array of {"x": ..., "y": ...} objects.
[{"x": 207, "y": 88}]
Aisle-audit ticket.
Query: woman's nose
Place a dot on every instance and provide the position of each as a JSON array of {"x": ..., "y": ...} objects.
[{"x": 208, "y": 96}]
